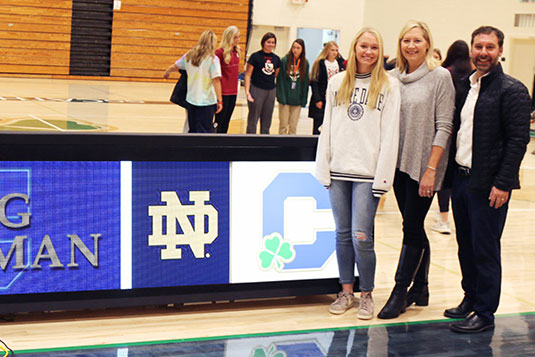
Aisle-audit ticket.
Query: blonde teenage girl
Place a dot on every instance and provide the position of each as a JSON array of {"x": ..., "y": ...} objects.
[
  {"x": 356, "y": 159},
  {"x": 229, "y": 57},
  {"x": 204, "y": 83},
  {"x": 328, "y": 63}
]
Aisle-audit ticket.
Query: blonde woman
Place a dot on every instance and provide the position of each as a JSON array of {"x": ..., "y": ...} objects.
[
  {"x": 229, "y": 56},
  {"x": 356, "y": 160},
  {"x": 427, "y": 104},
  {"x": 204, "y": 83},
  {"x": 328, "y": 63}
]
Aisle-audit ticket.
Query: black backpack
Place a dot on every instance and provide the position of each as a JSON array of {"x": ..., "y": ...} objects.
[{"x": 181, "y": 88}]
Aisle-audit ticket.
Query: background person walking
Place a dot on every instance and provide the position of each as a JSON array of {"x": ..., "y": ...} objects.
[
  {"x": 292, "y": 87},
  {"x": 229, "y": 57},
  {"x": 458, "y": 63},
  {"x": 204, "y": 83},
  {"x": 259, "y": 82},
  {"x": 328, "y": 63}
]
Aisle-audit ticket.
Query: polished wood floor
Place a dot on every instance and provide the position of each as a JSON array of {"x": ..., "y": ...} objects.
[
  {"x": 100, "y": 106},
  {"x": 35, "y": 104}
]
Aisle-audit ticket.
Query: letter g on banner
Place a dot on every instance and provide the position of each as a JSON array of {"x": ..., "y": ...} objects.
[{"x": 25, "y": 217}]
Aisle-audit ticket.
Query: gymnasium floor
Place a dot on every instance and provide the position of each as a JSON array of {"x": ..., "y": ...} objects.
[
  {"x": 272, "y": 327},
  {"x": 104, "y": 106},
  {"x": 513, "y": 336}
]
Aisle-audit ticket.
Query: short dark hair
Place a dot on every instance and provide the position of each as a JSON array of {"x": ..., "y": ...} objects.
[
  {"x": 266, "y": 37},
  {"x": 487, "y": 30}
]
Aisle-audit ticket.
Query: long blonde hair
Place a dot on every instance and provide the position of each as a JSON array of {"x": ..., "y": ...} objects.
[
  {"x": 401, "y": 62},
  {"x": 379, "y": 78},
  {"x": 315, "y": 71},
  {"x": 204, "y": 47},
  {"x": 227, "y": 43}
]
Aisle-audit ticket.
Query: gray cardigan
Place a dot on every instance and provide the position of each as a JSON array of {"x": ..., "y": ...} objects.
[{"x": 427, "y": 105}]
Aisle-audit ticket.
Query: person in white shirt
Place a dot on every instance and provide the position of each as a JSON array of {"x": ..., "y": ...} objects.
[
  {"x": 204, "y": 83},
  {"x": 356, "y": 159},
  {"x": 328, "y": 63}
]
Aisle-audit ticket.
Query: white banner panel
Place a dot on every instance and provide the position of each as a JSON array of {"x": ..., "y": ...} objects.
[{"x": 282, "y": 226}]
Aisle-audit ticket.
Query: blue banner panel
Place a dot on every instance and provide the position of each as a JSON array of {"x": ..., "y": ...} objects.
[
  {"x": 180, "y": 223},
  {"x": 59, "y": 226}
]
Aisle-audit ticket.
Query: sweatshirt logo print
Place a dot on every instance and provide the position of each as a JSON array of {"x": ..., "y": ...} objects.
[
  {"x": 269, "y": 68},
  {"x": 355, "y": 111}
]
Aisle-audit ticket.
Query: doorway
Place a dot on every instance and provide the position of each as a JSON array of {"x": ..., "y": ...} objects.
[
  {"x": 522, "y": 64},
  {"x": 314, "y": 40}
]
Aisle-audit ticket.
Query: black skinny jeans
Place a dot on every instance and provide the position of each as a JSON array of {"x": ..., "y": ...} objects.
[
  {"x": 444, "y": 199},
  {"x": 223, "y": 117},
  {"x": 413, "y": 209}
]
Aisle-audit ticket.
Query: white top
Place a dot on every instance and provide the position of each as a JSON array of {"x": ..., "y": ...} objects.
[
  {"x": 332, "y": 68},
  {"x": 464, "y": 136},
  {"x": 358, "y": 143},
  {"x": 201, "y": 91}
]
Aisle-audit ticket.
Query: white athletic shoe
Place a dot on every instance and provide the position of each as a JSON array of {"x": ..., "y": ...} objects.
[{"x": 442, "y": 227}]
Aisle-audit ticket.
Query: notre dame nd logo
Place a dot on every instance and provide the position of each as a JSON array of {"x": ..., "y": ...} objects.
[{"x": 195, "y": 235}]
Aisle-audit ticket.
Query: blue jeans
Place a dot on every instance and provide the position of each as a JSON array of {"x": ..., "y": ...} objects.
[{"x": 354, "y": 208}]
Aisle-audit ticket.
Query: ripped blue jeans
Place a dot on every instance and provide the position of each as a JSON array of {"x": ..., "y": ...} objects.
[{"x": 354, "y": 208}]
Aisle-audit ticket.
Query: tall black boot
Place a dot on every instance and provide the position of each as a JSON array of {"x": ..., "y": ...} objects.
[
  {"x": 419, "y": 291},
  {"x": 409, "y": 260}
]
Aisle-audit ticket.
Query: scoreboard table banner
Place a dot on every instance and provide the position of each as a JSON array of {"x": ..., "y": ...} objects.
[
  {"x": 108, "y": 220},
  {"x": 84, "y": 226}
]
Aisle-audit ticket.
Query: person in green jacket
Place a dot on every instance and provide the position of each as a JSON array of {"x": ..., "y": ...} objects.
[{"x": 292, "y": 87}]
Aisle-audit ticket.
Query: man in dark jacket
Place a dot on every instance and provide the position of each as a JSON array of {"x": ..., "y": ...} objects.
[{"x": 491, "y": 132}]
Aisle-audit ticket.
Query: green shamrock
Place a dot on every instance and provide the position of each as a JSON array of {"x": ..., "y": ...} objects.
[
  {"x": 271, "y": 352},
  {"x": 276, "y": 252}
]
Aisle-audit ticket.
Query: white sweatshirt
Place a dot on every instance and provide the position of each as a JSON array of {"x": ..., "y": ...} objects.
[{"x": 358, "y": 143}]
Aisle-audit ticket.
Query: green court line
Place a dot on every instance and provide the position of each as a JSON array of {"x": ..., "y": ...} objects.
[{"x": 262, "y": 334}]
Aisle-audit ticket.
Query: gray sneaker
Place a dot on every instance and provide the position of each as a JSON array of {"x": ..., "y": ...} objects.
[
  {"x": 366, "y": 307},
  {"x": 343, "y": 302}
]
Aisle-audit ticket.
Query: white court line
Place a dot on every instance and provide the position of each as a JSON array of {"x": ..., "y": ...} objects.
[{"x": 45, "y": 122}]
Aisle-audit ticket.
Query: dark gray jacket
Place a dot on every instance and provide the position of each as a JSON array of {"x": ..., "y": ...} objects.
[{"x": 500, "y": 134}]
